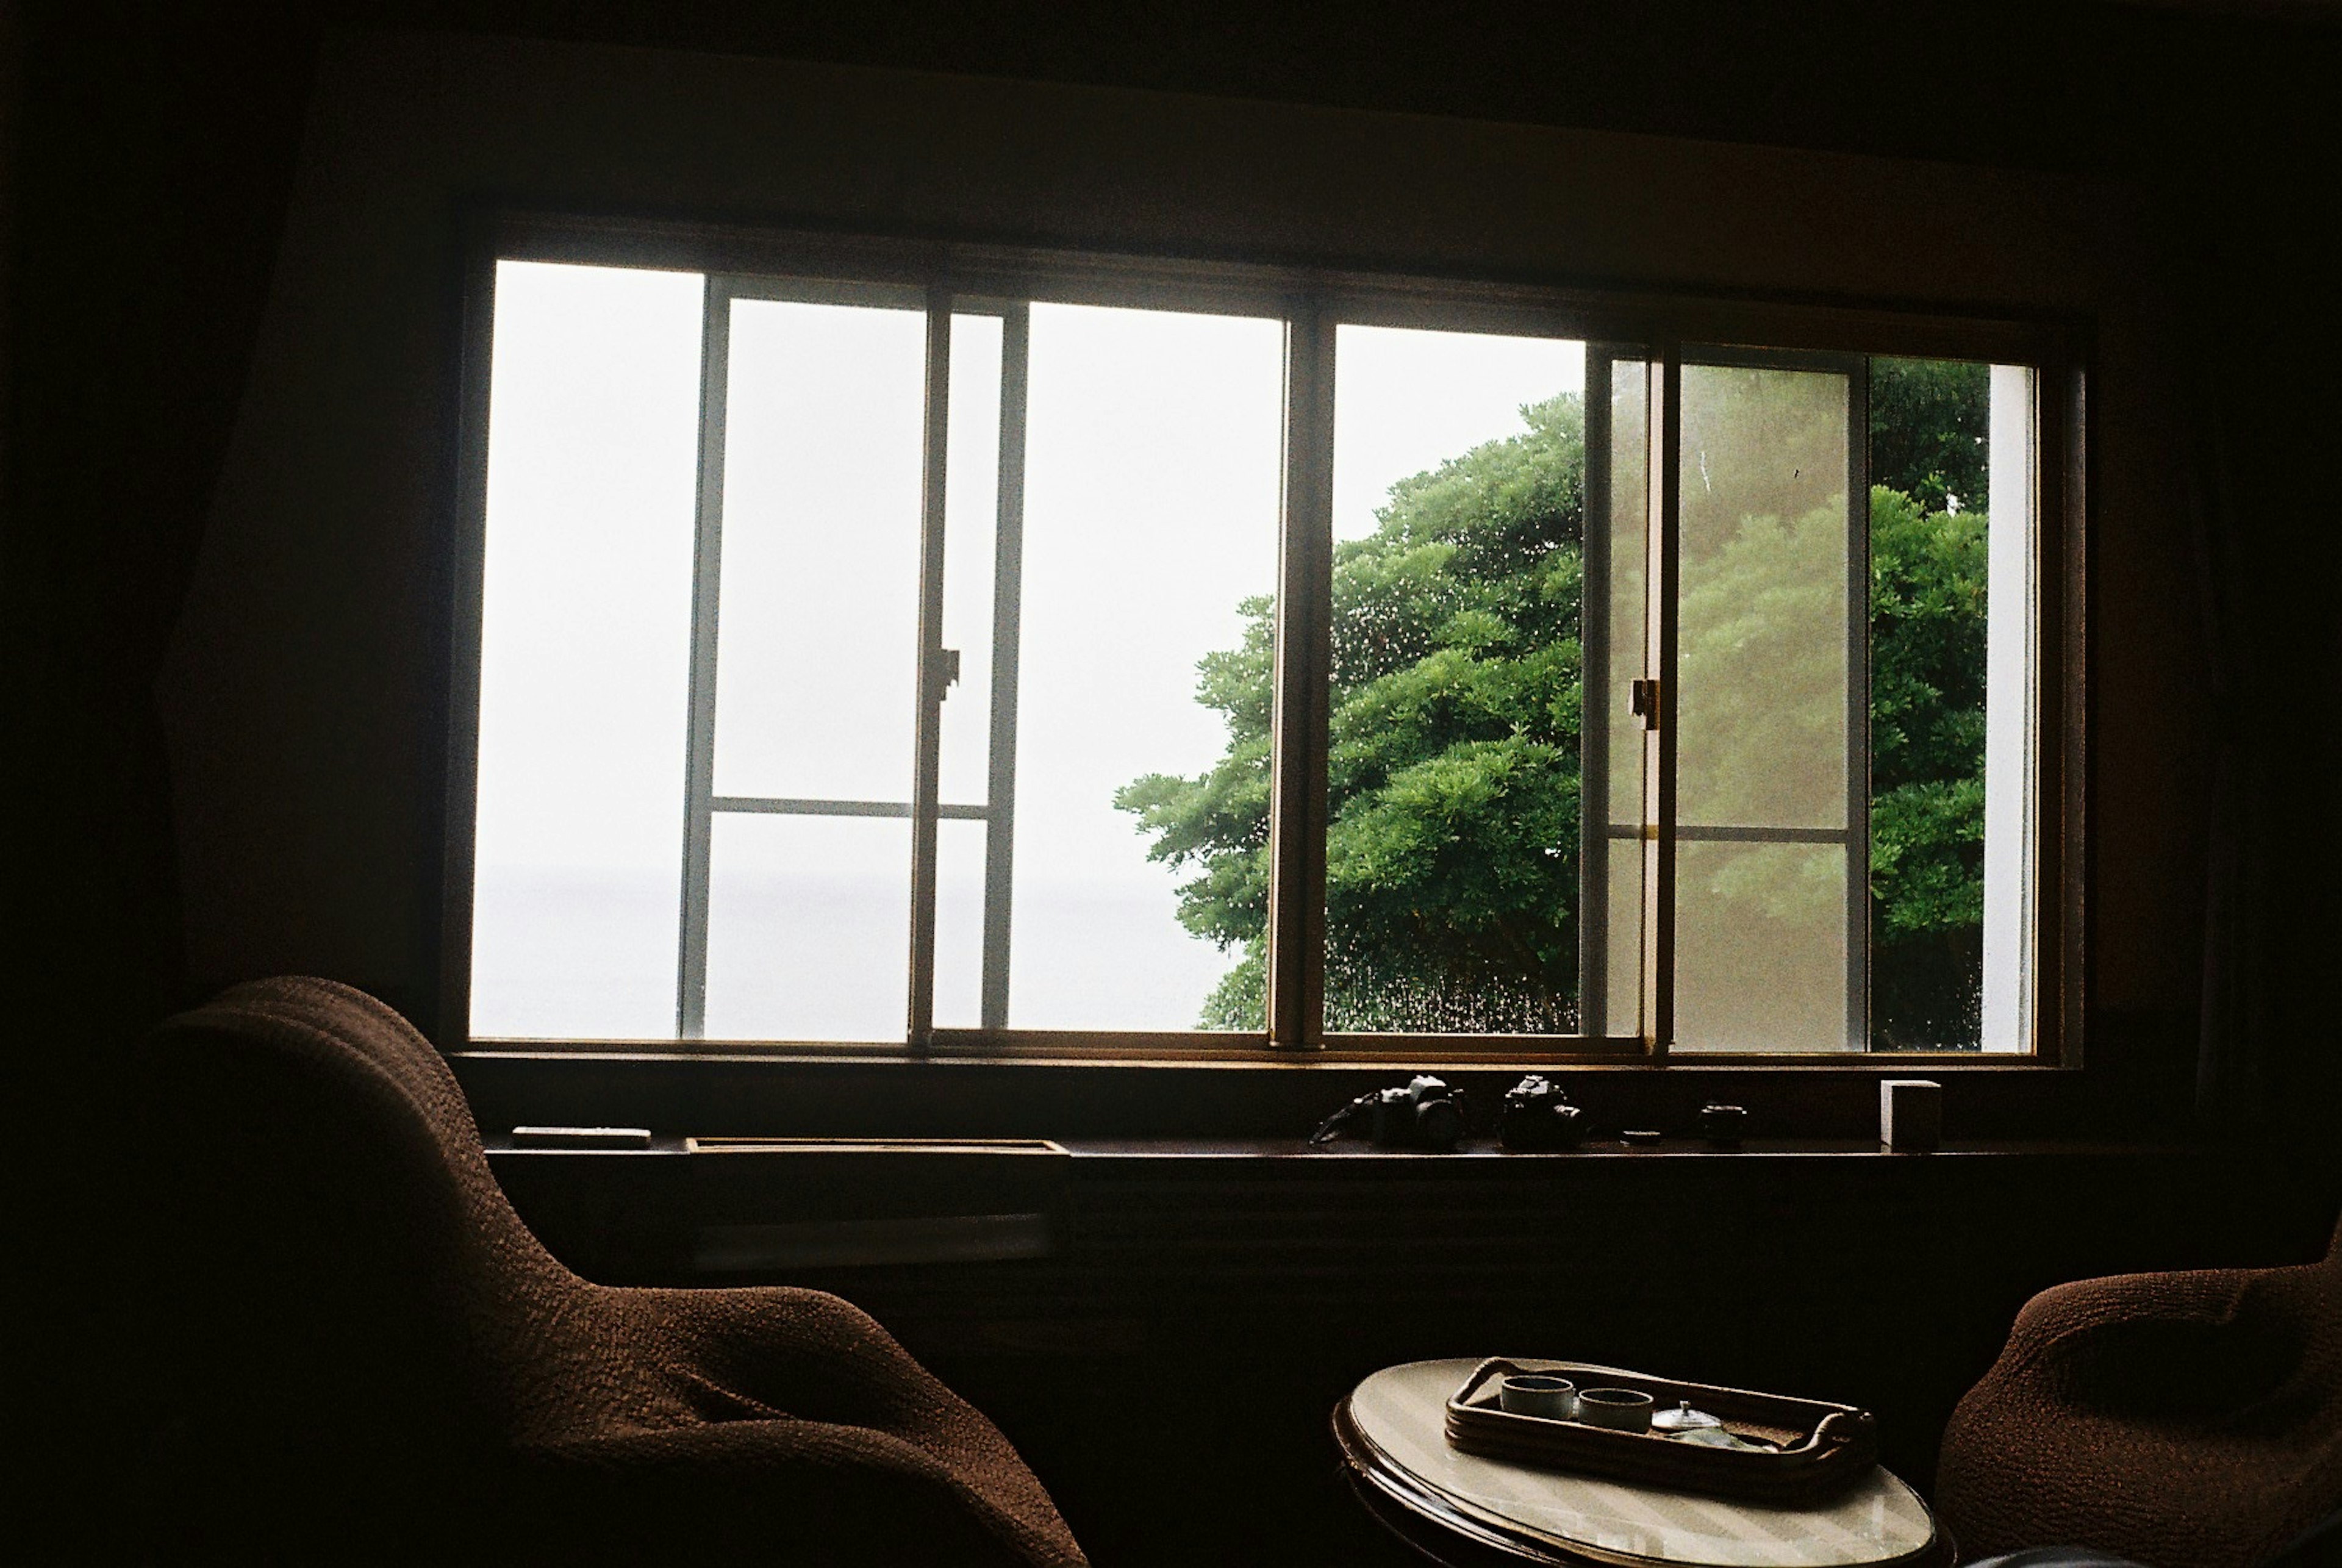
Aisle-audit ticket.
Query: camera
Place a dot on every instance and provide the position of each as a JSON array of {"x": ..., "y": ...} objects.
[
  {"x": 1537, "y": 1115},
  {"x": 1424, "y": 1113},
  {"x": 1722, "y": 1124}
]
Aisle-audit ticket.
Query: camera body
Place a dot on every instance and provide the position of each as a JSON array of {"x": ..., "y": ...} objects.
[
  {"x": 1424, "y": 1114},
  {"x": 1722, "y": 1124},
  {"x": 1537, "y": 1116}
]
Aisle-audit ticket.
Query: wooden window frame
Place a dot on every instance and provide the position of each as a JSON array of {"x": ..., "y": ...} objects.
[{"x": 1311, "y": 301}]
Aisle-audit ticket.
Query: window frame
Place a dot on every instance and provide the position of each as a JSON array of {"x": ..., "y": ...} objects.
[{"x": 1312, "y": 299}]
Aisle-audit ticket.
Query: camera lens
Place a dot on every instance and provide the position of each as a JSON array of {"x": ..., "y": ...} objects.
[{"x": 1439, "y": 1125}]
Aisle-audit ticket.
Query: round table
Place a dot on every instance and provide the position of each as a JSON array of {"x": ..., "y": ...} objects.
[{"x": 1462, "y": 1509}]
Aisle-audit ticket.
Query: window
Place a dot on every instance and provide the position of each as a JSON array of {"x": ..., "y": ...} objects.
[{"x": 982, "y": 650}]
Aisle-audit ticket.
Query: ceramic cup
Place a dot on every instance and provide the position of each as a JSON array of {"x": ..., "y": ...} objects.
[
  {"x": 1537, "y": 1393},
  {"x": 1623, "y": 1409}
]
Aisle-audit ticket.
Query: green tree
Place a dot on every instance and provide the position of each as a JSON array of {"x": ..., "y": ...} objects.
[
  {"x": 1451, "y": 883},
  {"x": 1928, "y": 421},
  {"x": 1452, "y": 855}
]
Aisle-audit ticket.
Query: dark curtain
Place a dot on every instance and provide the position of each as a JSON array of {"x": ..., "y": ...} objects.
[
  {"x": 150, "y": 178},
  {"x": 153, "y": 179},
  {"x": 2267, "y": 355},
  {"x": 2239, "y": 967}
]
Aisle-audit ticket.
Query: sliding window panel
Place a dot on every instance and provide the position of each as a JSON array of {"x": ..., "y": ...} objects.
[
  {"x": 978, "y": 732},
  {"x": 804, "y": 927},
  {"x": 816, "y": 646},
  {"x": 1454, "y": 843},
  {"x": 1618, "y": 471},
  {"x": 1767, "y": 648},
  {"x": 971, "y": 511},
  {"x": 585, "y": 637},
  {"x": 1151, "y": 503}
]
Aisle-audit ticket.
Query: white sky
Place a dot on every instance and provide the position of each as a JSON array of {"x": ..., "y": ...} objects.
[
  {"x": 1151, "y": 509},
  {"x": 1405, "y": 401}
]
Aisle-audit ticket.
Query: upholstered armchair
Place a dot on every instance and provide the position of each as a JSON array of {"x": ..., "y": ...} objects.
[
  {"x": 2189, "y": 1419},
  {"x": 356, "y": 1351}
]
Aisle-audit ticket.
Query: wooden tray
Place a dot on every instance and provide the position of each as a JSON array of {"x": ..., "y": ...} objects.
[{"x": 1823, "y": 1447}]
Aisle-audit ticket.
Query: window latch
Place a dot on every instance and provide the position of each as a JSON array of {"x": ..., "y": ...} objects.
[
  {"x": 946, "y": 669},
  {"x": 1643, "y": 696}
]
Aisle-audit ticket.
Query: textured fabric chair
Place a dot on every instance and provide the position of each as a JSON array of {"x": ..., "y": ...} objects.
[
  {"x": 357, "y": 1351},
  {"x": 2188, "y": 1420}
]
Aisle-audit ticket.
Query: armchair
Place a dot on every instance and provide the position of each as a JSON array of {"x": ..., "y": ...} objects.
[
  {"x": 2186, "y": 1420},
  {"x": 358, "y": 1352}
]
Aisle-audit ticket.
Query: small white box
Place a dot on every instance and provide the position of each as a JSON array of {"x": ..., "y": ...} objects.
[
  {"x": 581, "y": 1137},
  {"x": 1910, "y": 1113}
]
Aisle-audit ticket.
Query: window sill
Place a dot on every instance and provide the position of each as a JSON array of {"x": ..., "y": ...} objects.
[
  {"x": 1250, "y": 1103},
  {"x": 1420, "y": 1053},
  {"x": 1474, "y": 1152}
]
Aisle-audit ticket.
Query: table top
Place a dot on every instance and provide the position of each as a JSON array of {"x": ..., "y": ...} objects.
[{"x": 1397, "y": 1423}]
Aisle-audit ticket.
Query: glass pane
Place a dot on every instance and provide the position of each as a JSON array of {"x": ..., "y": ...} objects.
[
  {"x": 971, "y": 513},
  {"x": 1935, "y": 566},
  {"x": 585, "y": 641},
  {"x": 1760, "y": 946},
  {"x": 1762, "y": 646},
  {"x": 818, "y": 633},
  {"x": 1765, "y": 641},
  {"x": 959, "y": 924},
  {"x": 1624, "y": 971},
  {"x": 2012, "y": 709},
  {"x": 808, "y": 927},
  {"x": 1622, "y": 663},
  {"x": 1152, "y": 498},
  {"x": 1452, "y": 857}
]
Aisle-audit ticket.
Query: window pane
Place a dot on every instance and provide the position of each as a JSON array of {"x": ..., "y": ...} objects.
[
  {"x": 808, "y": 927},
  {"x": 1760, "y": 946},
  {"x": 818, "y": 633},
  {"x": 1151, "y": 508},
  {"x": 1623, "y": 972},
  {"x": 2012, "y": 709},
  {"x": 1762, "y": 643},
  {"x": 585, "y": 641},
  {"x": 1950, "y": 709},
  {"x": 971, "y": 580},
  {"x": 1765, "y": 646},
  {"x": 1452, "y": 853},
  {"x": 1619, "y": 658},
  {"x": 959, "y": 924},
  {"x": 971, "y": 511}
]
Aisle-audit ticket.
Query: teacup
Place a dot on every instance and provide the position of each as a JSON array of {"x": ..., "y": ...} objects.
[
  {"x": 1537, "y": 1393},
  {"x": 1621, "y": 1409}
]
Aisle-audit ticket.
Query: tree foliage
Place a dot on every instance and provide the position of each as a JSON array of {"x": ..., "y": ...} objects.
[
  {"x": 1452, "y": 853},
  {"x": 1927, "y": 575},
  {"x": 1928, "y": 422}
]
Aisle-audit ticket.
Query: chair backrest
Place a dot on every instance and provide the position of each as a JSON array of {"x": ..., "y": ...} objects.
[
  {"x": 2189, "y": 1416},
  {"x": 349, "y": 1070},
  {"x": 339, "y": 1295}
]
